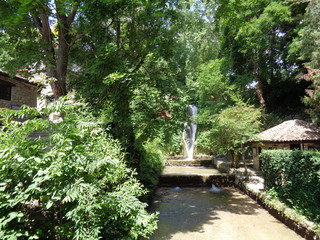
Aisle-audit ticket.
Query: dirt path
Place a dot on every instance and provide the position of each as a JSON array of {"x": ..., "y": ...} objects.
[{"x": 198, "y": 214}]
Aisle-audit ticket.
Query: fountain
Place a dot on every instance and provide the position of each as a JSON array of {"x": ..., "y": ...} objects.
[
  {"x": 215, "y": 189},
  {"x": 189, "y": 132},
  {"x": 176, "y": 189}
]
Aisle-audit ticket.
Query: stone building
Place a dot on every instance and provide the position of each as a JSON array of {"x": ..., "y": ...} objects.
[
  {"x": 292, "y": 134},
  {"x": 16, "y": 91}
]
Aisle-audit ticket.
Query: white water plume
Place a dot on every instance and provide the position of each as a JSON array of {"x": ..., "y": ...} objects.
[{"x": 189, "y": 132}]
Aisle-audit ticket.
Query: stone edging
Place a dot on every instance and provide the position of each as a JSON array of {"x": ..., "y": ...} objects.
[{"x": 260, "y": 198}]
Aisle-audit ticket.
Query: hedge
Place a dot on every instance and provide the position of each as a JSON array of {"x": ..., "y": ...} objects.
[{"x": 294, "y": 177}]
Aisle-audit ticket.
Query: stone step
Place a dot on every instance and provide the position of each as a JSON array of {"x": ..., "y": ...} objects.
[
  {"x": 193, "y": 176},
  {"x": 39, "y": 135},
  {"x": 196, "y": 180},
  {"x": 196, "y": 162},
  {"x": 189, "y": 170}
]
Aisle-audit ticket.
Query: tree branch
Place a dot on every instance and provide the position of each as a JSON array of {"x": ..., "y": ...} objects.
[
  {"x": 72, "y": 14},
  {"x": 45, "y": 29},
  {"x": 37, "y": 21},
  {"x": 81, "y": 35},
  {"x": 139, "y": 64}
]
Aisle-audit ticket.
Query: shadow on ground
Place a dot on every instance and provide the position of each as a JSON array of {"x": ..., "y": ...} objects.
[{"x": 189, "y": 209}]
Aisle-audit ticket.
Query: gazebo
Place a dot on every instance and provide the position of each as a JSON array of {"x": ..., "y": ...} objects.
[{"x": 292, "y": 134}]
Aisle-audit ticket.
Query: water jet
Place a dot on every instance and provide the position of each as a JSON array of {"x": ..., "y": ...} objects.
[{"x": 189, "y": 132}]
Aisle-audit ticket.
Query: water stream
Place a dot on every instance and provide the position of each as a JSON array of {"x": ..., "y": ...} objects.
[
  {"x": 189, "y": 132},
  {"x": 201, "y": 214}
]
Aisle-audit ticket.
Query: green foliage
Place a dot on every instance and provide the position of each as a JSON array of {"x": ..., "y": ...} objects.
[
  {"x": 213, "y": 86},
  {"x": 136, "y": 72},
  {"x": 212, "y": 89},
  {"x": 225, "y": 122},
  {"x": 196, "y": 33},
  {"x": 254, "y": 32},
  {"x": 73, "y": 185},
  {"x": 213, "y": 92},
  {"x": 151, "y": 167},
  {"x": 233, "y": 128},
  {"x": 254, "y": 36},
  {"x": 294, "y": 177},
  {"x": 307, "y": 44},
  {"x": 306, "y": 47},
  {"x": 157, "y": 104}
]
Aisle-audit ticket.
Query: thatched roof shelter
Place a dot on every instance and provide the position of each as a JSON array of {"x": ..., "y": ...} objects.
[{"x": 291, "y": 131}]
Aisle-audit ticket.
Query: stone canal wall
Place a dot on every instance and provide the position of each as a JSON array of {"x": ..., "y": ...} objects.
[{"x": 280, "y": 212}]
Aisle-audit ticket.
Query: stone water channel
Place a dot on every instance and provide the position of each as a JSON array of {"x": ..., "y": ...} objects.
[{"x": 198, "y": 213}]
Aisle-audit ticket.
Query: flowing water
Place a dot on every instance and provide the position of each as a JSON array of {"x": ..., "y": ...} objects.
[
  {"x": 201, "y": 214},
  {"x": 189, "y": 132}
]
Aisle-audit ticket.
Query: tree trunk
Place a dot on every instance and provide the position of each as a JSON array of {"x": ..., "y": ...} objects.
[
  {"x": 243, "y": 157},
  {"x": 233, "y": 158},
  {"x": 118, "y": 31},
  {"x": 56, "y": 55},
  {"x": 124, "y": 130},
  {"x": 245, "y": 164},
  {"x": 62, "y": 58},
  {"x": 260, "y": 94},
  {"x": 257, "y": 73}
]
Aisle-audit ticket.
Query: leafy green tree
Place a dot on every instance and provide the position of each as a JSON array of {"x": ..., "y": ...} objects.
[
  {"x": 196, "y": 33},
  {"x": 131, "y": 79},
  {"x": 226, "y": 122},
  {"x": 213, "y": 92},
  {"x": 307, "y": 47},
  {"x": 213, "y": 85},
  {"x": 43, "y": 34},
  {"x": 122, "y": 57},
  {"x": 307, "y": 44},
  {"x": 254, "y": 36},
  {"x": 72, "y": 185},
  {"x": 233, "y": 128}
]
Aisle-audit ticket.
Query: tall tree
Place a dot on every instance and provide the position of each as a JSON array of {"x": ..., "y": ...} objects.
[
  {"x": 234, "y": 127},
  {"x": 306, "y": 47},
  {"x": 133, "y": 72},
  {"x": 51, "y": 29},
  {"x": 254, "y": 36}
]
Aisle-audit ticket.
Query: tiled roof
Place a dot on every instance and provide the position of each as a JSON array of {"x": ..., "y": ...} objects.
[
  {"x": 292, "y": 130},
  {"x": 18, "y": 78}
]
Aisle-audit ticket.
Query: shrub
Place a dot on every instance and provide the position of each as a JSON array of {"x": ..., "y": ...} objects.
[
  {"x": 294, "y": 176},
  {"x": 73, "y": 185},
  {"x": 151, "y": 167}
]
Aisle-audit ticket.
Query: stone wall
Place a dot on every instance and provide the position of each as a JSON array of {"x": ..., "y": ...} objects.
[{"x": 21, "y": 93}]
